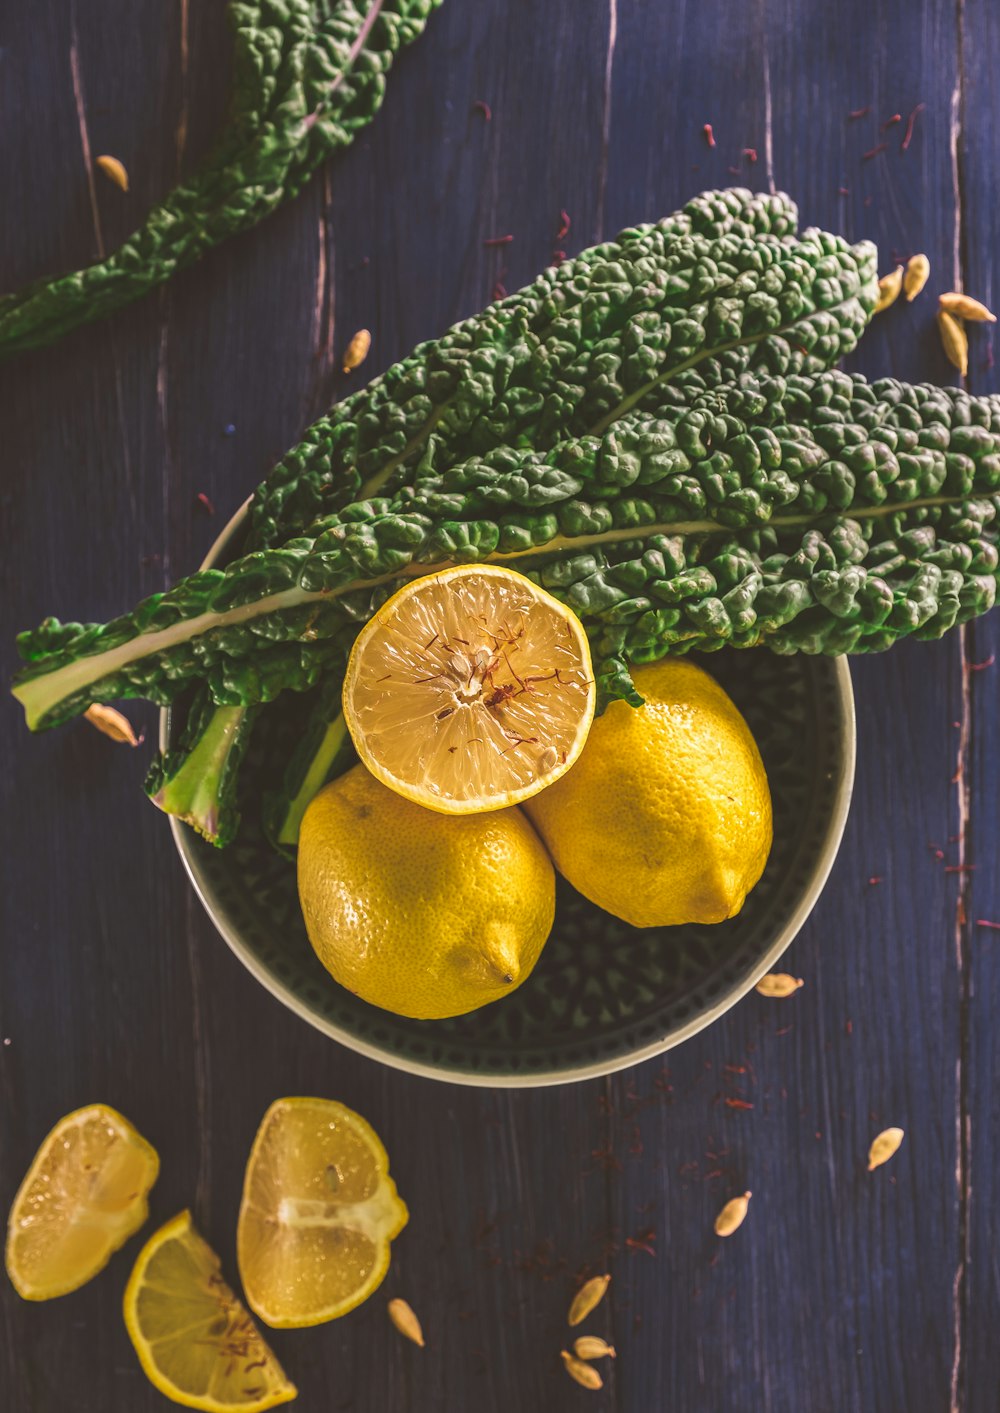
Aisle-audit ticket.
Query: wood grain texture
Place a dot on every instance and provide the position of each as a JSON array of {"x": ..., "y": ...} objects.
[{"x": 843, "y": 1290}]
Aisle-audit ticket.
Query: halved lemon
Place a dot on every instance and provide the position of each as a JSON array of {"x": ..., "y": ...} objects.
[
  {"x": 81, "y": 1199},
  {"x": 470, "y": 689},
  {"x": 318, "y": 1213},
  {"x": 194, "y": 1338}
]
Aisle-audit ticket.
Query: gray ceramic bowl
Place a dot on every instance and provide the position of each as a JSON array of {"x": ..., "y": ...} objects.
[{"x": 604, "y": 995}]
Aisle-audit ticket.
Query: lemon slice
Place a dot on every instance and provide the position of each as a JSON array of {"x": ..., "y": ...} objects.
[
  {"x": 318, "y": 1213},
  {"x": 194, "y": 1338},
  {"x": 470, "y": 689},
  {"x": 83, "y": 1197}
]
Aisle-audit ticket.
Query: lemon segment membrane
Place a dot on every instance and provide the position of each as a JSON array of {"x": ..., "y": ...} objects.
[{"x": 319, "y": 1211}]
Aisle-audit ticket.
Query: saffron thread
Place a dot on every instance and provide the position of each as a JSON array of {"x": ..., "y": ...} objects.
[{"x": 911, "y": 120}]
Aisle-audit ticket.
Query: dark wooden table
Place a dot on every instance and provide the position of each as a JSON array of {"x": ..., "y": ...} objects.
[{"x": 844, "y": 1291}]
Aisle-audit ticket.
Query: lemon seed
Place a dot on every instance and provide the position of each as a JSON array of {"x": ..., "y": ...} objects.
[
  {"x": 402, "y": 1316},
  {"x": 778, "y": 984},
  {"x": 918, "y": 268},
  {"x": 732, "y": 1215},
  {"x": 889, "y": 287},
  {"x": 884, "y": 1146},
  {"x": 964, "y": 307},
  {"x": 112, "y": 724},
  {"x": 592, "y": 1347},
  {"x": 954, "y": 340},
  {"x": 587, "y": 1298},
  {"x": 584, "y": 1374},
  {"x": 357, "y": 350},
  {"x": 113, "y": 170}
]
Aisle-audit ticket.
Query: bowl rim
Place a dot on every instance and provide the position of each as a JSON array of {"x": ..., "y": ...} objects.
[{"x": 843, "y": 788}]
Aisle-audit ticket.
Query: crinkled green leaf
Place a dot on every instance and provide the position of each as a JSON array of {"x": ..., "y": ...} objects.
[
  {"x": 814, "y": 514},
  {"x": 698, "y": 297},
  {"x": 308, "y": 77}
]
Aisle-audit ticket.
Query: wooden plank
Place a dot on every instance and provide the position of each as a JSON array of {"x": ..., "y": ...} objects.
[
  {"x": 828, "y": 1298},
  {"x": 838, "y": 1293},
  {"x": 977, "y": 1280},
  {"x": 178, "y": 1004}
]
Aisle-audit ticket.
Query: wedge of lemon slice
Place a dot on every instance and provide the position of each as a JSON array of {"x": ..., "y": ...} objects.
[
  {"x": 83, "y": 1197},
  {"x": 194, "y": 1338},
  {"x": 318, "y": 1213},
  {"x": 470, "y": 689}
]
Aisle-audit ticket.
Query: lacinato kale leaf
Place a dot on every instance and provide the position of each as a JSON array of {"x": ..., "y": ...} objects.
[
  {"x": 308, "y": 76},
  {"x": 587, "y": 342},
  {"x": 312, "y": 480},
  {"x": 812, "y": 514}
]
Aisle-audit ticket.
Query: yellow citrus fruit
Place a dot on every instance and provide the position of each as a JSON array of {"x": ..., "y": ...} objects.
[
  {"x": 318, "y": 1213},
  {"x": 427, "y": 915},
  {"x": 666, "y": 817},
  {"x": 81, "y": 1199},
  {"x": 194, "y": 1338},
  {"x": 470, "y": 690}
]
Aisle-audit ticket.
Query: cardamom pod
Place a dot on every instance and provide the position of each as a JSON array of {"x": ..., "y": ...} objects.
[
  {"x": 402, "y": 1316},
  {"x": 918, "y": 267},
  {"x": 357, "y": 350},
  {"x": 112, "y": 724},
  {"x": 587, "y": 1298},
  {"x": 778, "y": 984},
  {"x": 584, "y": 1374},
  {"x": 884, "y": 1146},
  {"x": 732, "y": 1215},
  {"x": 954, "y": 340},
  {"x": 114, "y": 170},
  {"x": 592, "y": 1347},
  {"x": 963, "y": 306},
  {"x": 889, "y": 287}
]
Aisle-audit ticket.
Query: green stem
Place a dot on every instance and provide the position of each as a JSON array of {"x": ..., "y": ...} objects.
[
  {"x": 38, "y": 695},
  {"x": 198, "y": 791},
  {"x": 316, "y": 777}
]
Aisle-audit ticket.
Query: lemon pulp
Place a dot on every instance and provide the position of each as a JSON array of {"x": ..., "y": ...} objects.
[
  {"x": 470, "y": 689},
  {"x": 81, "y": 1199},
  {"x": 318, "y": 1213},
  {"x": 194, "y": 1338}
]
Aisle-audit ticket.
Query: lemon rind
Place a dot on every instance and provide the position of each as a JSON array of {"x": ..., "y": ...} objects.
[
  {"x": 169, "y": 1231},
  {"x": 479, "y": 805},
  {"x": 382, "y": 1243}
]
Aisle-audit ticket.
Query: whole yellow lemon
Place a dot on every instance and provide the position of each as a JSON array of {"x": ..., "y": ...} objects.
[
  {"x": 666, "y": 816},
  {"x": 424, "y": 914}
]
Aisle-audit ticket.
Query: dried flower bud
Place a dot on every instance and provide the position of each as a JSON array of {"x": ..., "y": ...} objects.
[
  {"x": 592, "y": 1347},
  {"x": 963, "y": 306},
  {"x": 584, "y": 1374},
  {"x": 778, "y": 984},
  {"x": 732, "y": 1215},
  {"x": 112, "y": 724},
  {"x": 954, "y": 340},
  {"x": 918, "y": 268},
  {"x": 889, "y": 287},
  {"x": 884, "y": 1146},
  {"x": 405, "y": 1321},
  {"x": 113, "y": 170},
  {"x": 587, "y": 1298},
  {"x": 357, "y": 350}
]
